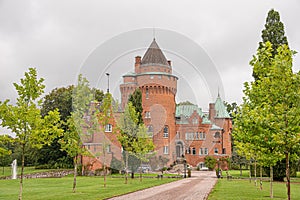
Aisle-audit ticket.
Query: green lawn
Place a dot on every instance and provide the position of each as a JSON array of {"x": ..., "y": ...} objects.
[
  {"x": 27, "y": 170},
  {"x": 242, "y": 189},
  {"x": 87, "y": 187}
]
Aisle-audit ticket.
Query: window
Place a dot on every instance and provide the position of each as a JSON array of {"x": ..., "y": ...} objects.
[
  {"x": 201, "y": 151},
  {"x": 147, "y": 114},
  {"x": 108, "y": 128},
  {"x": 224, "y": 151},
  {"x": 189, "y": 136},
  {"x": 159, "y": 76},
  {"x": 216, "y": 150},
  {"x": 166, "y": 150},
  {"x": 194, "y": 151},
  {"x": 108, "y": 149},
  {"x": 202, "y": 136},
  {"x": 150, "y": 129},
  {"x": 147, "y": 93},
  {"x": 177, "y": 135},
  {"x": 151, "y": 77},
  {"x": 205, "y": 151},
  {"x": 188, "y": 150},
  {"x": 195, "y": 120},
  {"x": 217, "y": 135},
  {"x": 166, "y": 132}
]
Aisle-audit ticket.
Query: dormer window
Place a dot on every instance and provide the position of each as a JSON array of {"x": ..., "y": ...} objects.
[
  {"x": 217, "y": 135},
  {"x": 195, "y": 120}
]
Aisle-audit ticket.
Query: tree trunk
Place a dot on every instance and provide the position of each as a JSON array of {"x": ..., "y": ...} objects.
[
  {"x": 255, "y": 181},
  {"x": 132, "y": 175},
  {"x": 22, "y": 171},
  {"x": 141, "y": 171},
  {"x": 126, "y": 167},
  {"x": 271, "y": 181},
  {"x": 250, "y": 171},
  {"x": 241, "y": 171},
  {"x": 104, "y": 184},
  {"x": 261, "y": 168},
  {"x": 75, "y": 173},
  {"x": 288, "y": 182}
]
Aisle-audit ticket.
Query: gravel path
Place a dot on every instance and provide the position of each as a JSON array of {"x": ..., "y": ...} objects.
[{"x": 197, "y": 187}]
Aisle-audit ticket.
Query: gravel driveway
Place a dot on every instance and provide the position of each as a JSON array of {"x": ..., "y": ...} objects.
[{"x": 197, "y": 187}]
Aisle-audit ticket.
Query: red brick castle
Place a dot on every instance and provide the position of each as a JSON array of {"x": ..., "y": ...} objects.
[{"x": 177, "y": 130}]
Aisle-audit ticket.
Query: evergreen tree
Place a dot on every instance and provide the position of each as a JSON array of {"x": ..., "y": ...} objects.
[
  {"x": 274, "y": 33},
  {"x": 136, "y": 100}
]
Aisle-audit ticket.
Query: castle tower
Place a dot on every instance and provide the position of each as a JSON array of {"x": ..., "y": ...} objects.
[{"x": 153, "y": 75}]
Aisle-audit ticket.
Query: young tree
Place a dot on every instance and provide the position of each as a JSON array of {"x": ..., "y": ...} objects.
[
  {"x": 5, "y": 151},
  {"x": 25, "y": 120},
  {"x": 105, "y": 117},
  {"x": 78, "y": 127},
  {"x": 133, "y": 136},
  {"x": 269, "y": 116}
]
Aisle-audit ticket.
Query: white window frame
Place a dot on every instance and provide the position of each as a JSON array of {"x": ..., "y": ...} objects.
[
  {"x": 205, "y": 151},
  {"x": 147, "y": 115},
  {"x": 166, "y": 150},
  {"x": 216, "y": 151},
  {"x": 108, "y": 128}
]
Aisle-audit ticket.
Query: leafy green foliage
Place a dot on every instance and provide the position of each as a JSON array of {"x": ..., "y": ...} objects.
[
  {"x": 210, "y": 162},
  {"x": 268, "y": 123},
  {"x": 78, "y": 127},
  {"x": 25, "y": 120},
  {"x": 274, "y": 32},
  {"x": 136, "y": 100}
]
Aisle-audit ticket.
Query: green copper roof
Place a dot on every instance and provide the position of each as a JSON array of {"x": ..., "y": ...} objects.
[
  {"x": 205, "y": 120},
  {"x": 215, "y": 127},
  {"x": 220, "y": 108},
  {"x": 187, "y": 110}
]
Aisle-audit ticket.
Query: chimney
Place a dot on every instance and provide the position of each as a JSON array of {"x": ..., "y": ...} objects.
[
  {"x": 169, "y": 62},
  {"x": 212, "y": 112},
  {"x": 137, "y": 64}
]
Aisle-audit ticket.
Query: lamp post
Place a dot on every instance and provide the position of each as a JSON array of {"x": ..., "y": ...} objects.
[
  {"x": 218, "y": 170},
  {"x": 107, "y": 74},
  {"x": 184, "y": 167}
]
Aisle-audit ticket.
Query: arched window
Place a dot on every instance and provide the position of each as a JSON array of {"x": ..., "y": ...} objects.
[
  {"x": 166, "y": 132},
  {"x": 147, "y": 93},
  {"x": 217, "y": 135},
  {"x": 150, "y": 128}
]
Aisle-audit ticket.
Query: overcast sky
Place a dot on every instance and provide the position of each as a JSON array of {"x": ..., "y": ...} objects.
[{"x": 57, "y": 36}]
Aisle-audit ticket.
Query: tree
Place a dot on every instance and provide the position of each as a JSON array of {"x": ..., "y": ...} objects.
[
  {"x": 25, "y": 120},
  {"x": 273, "y": 33},
  {"x": 269, "y": 116},
  {"x": 61, "y": 99},
  {"x": 136, "y": 99},
  {"x": 5, "y": 151},
  {"x": 133, "y": 137},
  {"x": 78, "y": 126},
  {"x": 104, "y": 117}
]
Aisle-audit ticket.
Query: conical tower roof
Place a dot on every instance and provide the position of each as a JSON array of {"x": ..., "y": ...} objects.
[
  {"x": 154, "y": 56},
  {"x": 221, "y": 111}
]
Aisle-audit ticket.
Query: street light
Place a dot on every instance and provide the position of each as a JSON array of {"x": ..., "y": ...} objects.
[
  {"x": 107, "y": 74},
  {"x": 184, "y": 166},
  {"x": 218, "y": 170}
]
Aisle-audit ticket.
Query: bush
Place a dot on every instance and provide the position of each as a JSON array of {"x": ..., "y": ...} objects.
[{"x": 210, "y": 162}]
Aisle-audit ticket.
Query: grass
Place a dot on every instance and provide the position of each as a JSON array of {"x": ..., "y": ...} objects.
[
  {"x": 27, "y": 170},
  {"x": 87, "y": 187},
  {"x": 237, "y": 189}
]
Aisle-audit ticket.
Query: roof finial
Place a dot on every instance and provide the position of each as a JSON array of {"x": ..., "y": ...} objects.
[
  {"x": 153, "y": 33},
  {"x": 218, "y": 92}
]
